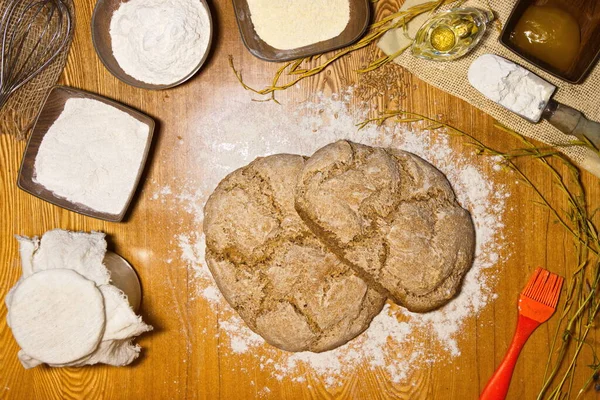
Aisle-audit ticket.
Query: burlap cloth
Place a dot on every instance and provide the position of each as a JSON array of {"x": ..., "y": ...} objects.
[
  {"x": 19, "y": 113},
  {"x": 452, "y": 78}
]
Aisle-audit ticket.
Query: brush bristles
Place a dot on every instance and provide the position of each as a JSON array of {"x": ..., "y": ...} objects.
[{"x": 544, "y": 287}]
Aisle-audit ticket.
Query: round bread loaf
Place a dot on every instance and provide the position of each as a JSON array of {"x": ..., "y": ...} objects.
[
  {"x": 393, "y": 217},
  {"x": 273, "y": 270}
]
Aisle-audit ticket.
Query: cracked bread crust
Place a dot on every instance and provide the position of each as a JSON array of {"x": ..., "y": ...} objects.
[
  {"x": 393, "y": 217},
  {"x": 273, "y": 270}
]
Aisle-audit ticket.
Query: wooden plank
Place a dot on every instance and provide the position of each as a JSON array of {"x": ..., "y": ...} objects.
[{"x": 185, "y": 357}]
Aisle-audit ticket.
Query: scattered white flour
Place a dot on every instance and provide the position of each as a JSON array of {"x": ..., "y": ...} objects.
[
  {"x": 399, "y": 342},
  {"x": 290, "y": 24},
  {"x": 510, "y": 85},
  {"x": 91, "y": 155},
  {"x": 160, "y": 41}
]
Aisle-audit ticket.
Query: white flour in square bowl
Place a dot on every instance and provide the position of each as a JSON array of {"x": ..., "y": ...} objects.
[
  {"x": 232, "y": 138},
  {"x": 92, "y": 154}
]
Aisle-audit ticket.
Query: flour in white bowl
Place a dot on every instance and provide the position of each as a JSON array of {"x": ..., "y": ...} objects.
[
  {"x": 91, "y": 155},
  {"x": 160, "y": 41},
  {"x": 289, "y": 24}
]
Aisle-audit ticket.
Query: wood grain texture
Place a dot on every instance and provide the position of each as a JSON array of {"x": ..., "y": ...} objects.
[{"x": 183, "y": 358}]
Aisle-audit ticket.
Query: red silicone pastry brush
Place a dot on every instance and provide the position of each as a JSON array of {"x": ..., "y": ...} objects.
[{"x": 537, "y": 303}]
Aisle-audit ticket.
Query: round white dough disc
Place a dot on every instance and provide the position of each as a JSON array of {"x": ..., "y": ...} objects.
[{"x": 57, "y": 316}]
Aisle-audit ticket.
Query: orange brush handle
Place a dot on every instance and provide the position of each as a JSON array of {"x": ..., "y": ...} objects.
[{"x": 498, "y": 385}]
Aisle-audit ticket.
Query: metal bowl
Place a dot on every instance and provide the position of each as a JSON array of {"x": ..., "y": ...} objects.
[
  {"x": 123, "y": 276},
  {"x": 103, "y": 12}
]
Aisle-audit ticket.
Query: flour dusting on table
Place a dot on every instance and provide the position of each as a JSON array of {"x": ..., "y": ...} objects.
[{"x": 398, "y": 342}]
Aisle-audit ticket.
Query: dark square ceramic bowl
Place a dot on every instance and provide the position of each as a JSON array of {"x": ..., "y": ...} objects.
[
  {"x": 101, "y": 18},
  {"x": 54, "y": 106},
  {"x": 587, "y": 14}
]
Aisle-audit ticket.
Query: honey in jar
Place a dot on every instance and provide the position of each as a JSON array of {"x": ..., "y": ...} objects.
[{"x": 548, "y": 33}]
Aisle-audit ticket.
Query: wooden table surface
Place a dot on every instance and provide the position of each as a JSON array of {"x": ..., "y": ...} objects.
[{"x": 181, "y": 358}]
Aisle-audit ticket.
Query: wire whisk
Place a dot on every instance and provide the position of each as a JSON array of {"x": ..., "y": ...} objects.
[{"x": 34, "y": 33}]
